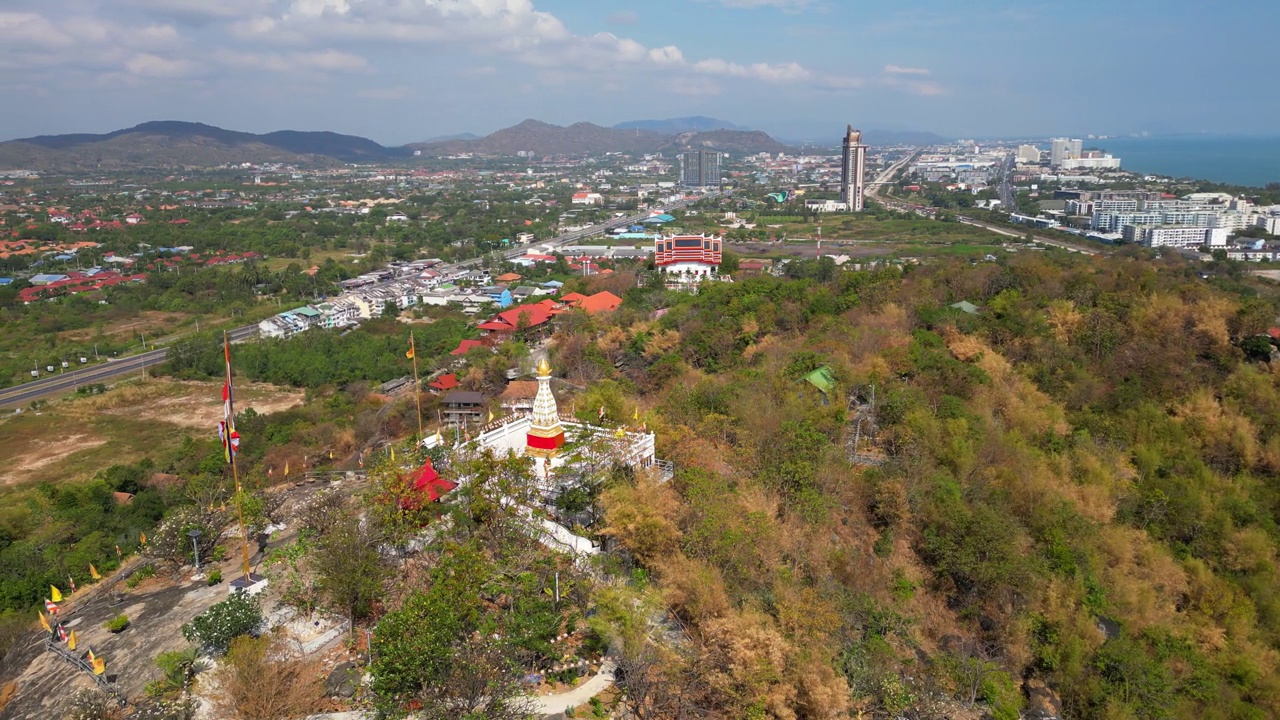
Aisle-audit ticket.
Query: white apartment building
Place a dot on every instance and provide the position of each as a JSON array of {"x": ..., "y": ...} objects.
[
  {"x": 1178, "y": 236},
  {"x": 1106, "y": 162},
  {"x": 1270, "y": 223},
  {"x": 1204, "y": 218},
  {"x": 1028, "y": 154}
]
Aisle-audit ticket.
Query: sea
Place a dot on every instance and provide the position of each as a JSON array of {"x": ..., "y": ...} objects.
[{"x": 1231, "y": 159}]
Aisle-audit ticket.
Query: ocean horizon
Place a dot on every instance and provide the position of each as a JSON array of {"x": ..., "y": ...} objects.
[{"x": 1231, "y": 159}]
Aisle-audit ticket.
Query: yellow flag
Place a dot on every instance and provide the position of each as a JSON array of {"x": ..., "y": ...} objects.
[
  {"x": 330, "y": 454},
  {"x": 99, "y": 666},
  {"x": 490, "y": 416},
  {"x": 439, "y": 437},
  {"x": 142, "y": 538},
  {"x": 44, "y": 622},
  {"x": 286, "y": 468},
  {"x": 393, "y": 453},
  {"x": 93, "y": 572},
  {"x": 409, "y": 353},
  {"x": 72, "y": 640},
  {"x": 55, "y": 594},
  {"x": 92, "y": 658},
  {"x": 636, "y": 415}
]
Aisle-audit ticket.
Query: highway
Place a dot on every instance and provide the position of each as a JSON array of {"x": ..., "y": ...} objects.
[
  {"x": 887, "y": 174},
  {"x": 21, "y": 395},
  {"x": 1038, "y": 238},
  {"x": 1007, "y": 199}
]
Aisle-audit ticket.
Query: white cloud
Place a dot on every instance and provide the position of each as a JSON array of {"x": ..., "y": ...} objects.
[
  {"x": 787, "y": 72},
  {"x": 515, "y": 28},
  {"x": 146, "y": 65},
  {"x": 30, "y": 29},
  {"x": 896, "y": 70}
]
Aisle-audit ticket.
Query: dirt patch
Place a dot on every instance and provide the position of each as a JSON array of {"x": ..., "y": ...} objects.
[
  {"x": 194, "y": 404},
  {"x": 153, "y": 321},
  {"x": 45, "y": 452}
]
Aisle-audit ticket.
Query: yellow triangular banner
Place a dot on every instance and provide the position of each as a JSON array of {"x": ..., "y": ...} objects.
[
  {"x": 142, "y": 538},
  {"x": 55, "y": 594},
  {"x": 93, "y": 572},
  {"x": 72, "y": 640},
  {"x": 44, "y": 622}
]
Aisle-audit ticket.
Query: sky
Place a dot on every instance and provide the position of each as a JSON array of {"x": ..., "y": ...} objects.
[{"x": 399, "y": 71}]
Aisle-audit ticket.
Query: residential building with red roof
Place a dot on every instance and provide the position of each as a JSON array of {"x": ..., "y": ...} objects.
[
  {"x": 444, "y": 382},
  {"x": 467, "y": 346}
]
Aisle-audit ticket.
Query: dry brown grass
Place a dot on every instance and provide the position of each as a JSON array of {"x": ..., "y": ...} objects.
[
  {"x": 187, "y": 404},
  {"x": 154, "y": 323},
  {"x": 265, "y": 679}
]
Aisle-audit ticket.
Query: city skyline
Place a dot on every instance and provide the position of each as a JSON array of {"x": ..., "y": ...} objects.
[{"x": 401, "y": 71}]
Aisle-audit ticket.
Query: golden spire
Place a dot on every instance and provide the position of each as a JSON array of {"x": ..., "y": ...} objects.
[{"x": 544, "y": 367}]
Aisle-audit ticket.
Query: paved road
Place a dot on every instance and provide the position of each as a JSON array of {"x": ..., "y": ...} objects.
[
  {"x": 1007, "y": 199},
  {"x": 21, "y": 395},
  {"x": 1038, "y": 238},
  {"x": 887, "y": 174}
]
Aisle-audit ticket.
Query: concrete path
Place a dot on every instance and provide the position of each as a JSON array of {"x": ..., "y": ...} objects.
[
  {"x": 539, "y": 704},
  {"x": 551, "y": 704}
]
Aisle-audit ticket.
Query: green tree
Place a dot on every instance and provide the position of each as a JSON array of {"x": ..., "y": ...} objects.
[{"x": 349, "y": 568}]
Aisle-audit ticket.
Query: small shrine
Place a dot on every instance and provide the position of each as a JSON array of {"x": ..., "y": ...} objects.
[{"x": 545, "y": 437}]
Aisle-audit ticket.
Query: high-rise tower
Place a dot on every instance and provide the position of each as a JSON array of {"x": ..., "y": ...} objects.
[
  {"x": 853, "y": 167},
  {"x": 700, "y": 168}
]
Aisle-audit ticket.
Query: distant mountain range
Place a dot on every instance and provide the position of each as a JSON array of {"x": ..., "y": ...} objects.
[
  {"x": 876, "y": 137},
  {"x": 675, "y": 126},
  {"x": 545, "y": 139},
  {"x": 173, "y": 144}
]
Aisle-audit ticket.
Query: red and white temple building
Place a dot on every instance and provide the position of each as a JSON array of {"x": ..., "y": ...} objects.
[
  {"x": 554, "y": 441},
  {"x": 689, "y": 258}
]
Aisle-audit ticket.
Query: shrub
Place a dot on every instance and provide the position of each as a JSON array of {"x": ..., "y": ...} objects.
[
  {"x": 220, "y": 624},
  {"x": 179, "y": 667},
  {"x": 263, "y": 679},
  {"x": 117, "y": 623},
  {"x": 142, "y": 573},
  {"x": 90, "y": 704},
  {"x": 215, "y": 577}
]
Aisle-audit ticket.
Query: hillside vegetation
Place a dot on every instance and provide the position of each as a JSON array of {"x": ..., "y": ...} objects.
[{"x": 1075, "y": 501}]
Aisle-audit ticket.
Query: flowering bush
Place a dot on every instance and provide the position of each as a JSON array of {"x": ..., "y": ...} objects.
[
  {"x": 216, "y": 627},
  {"x": 91, "y": 704}
]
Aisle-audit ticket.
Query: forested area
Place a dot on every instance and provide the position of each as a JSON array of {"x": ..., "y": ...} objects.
[
  {"x": 99, "y": 325},
  {"x": 1069, "y": 495},
  {"x": 373, "y": 352}
]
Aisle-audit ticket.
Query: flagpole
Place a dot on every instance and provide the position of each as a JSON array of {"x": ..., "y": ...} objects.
[
  {"x": 417, "y": 388},
  {"x": 231, "y": 451}
]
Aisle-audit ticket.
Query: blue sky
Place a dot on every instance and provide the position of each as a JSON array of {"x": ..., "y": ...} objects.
[{"x": 404, "y": 70}]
